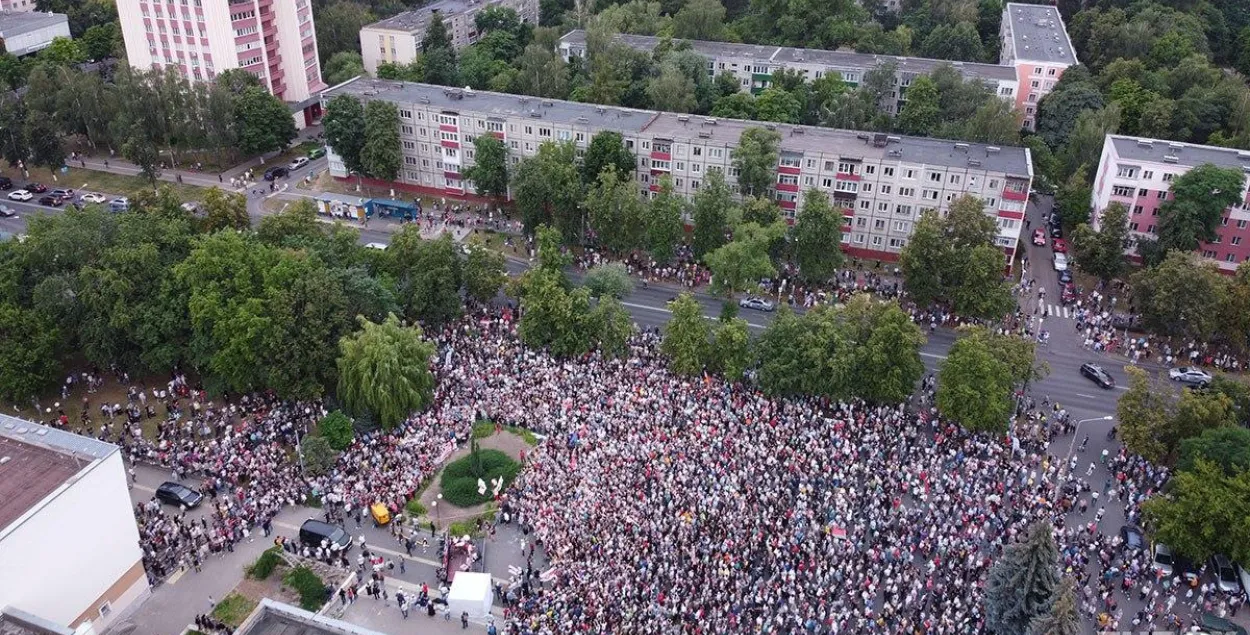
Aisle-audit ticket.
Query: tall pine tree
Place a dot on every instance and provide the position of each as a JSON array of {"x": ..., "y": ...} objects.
[
  {"x": 1062, "y": 618},
  {"x": 1023, "y": 583}
]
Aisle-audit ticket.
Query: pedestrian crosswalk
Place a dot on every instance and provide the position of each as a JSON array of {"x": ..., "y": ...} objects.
[{"x": 1059, "y": 311}]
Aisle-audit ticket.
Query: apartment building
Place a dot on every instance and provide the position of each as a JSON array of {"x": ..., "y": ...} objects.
[
  {"x": 398, "y": 39},
  {"x": 1036, "y": 45},
  {"x": 275, "y": 40},
  {"x": 880, "y": 182},
  {"x": 754, "y": 64},
  {"x": 1137, "y": 172}
]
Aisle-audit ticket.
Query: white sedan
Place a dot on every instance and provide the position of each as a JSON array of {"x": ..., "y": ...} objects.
[
  {"x": 20, "y": 195},
  {"x": 1190, "y": 376},
  {"x": 92, "y": 197}
]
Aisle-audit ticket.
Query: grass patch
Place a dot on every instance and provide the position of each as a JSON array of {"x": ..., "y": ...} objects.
[
  {"x": 459, "y": 480},
  {"x": 311, "y": 590},
  {"x": 265, "y": 564},
  {"x": 106, "y": 182},
  {"x": 464, "y": 528},
  {"x": 525, "y": 435},
  {"x": 233, "y": 609},
  {"x": 483, "y": 428},
  {"x": 415, "y": 509}
]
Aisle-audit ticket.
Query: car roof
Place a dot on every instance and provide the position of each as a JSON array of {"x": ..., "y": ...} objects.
[{"x": 171, "y": 486}]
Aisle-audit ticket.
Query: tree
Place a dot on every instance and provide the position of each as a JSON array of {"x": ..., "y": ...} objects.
[
  {"x": 782, "y": 351},
  {"x": 548, "y": 190},
  {"x": 775, "y": 104},
  {"x": 434, "y": 281},
  {"x": 384, "y": 370},
  {"x": 1023, "y": 583},
  {"x": 489, "y": 171},
  {"x": 336, "y": 429},
  {"x": 344, "y": 124},
  {"x": 745, "y": 260},
  {"x": 1204, "y": 512},
  {"x": 1199, "y": 198},
  {"x": 1058, "y": 110},
  {"x": 958, "y": 42},
  {"x": 607, "y": 148},
  {"x": 1144, "y": 412},
  {"x": 920, "y": 115},
  {"x": 672, "y": 91},
  {"x": 380, "y": 156},
  {"x": 29, "y": 360},
  {"x": 713, "y": 213},
  {"x": 974, "y": 387},
  {"x": 224, "y": 210},
  {"x": 921, "y": 259},
  {"x": 343, "y": 66},
  {"x": 731, "y": 348},
  {"x": 1072, "y": 199},
  {"x": 613, "y": 327},
  {"x": 263, "y": 121},
  {"x": 1227, "y": 447},
  {"x": 317, "y": 455},
  {"x": 700, "y": 20},
  {"x": 610, "y": 280},
  {"x": 44, "y": 138},
  {"x": 497, "y": 18},
  {"x": 484, "y": 273},
  {"x": 101, "y": 41},
  {"x": 616, "y": 212},
  {"x": 1101, "y": 253},
  {"x": 817, "y": 238},
  {"x": 63, "y": 51},
  {"x": 756, "y": 160},
  {"x": 663, "y": 226},
  {"x": 687, "y": 337},
  {"x": 1062, "y": 617},
  {"x": 338, "y": 31},
  {"x": 979, "y": 289},
  {"x": 1180, "y": 296}
]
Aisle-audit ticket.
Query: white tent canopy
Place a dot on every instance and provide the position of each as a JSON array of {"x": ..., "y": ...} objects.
[{"x": 472, "y": 593}]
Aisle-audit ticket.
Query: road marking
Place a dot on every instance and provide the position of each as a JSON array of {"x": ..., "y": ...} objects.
[
  {"x": 144, "y": 488},
  {"x": 173, "y": 579},
  {"x": 1081, "y": 394},
  {"x": 933, "y": 355},
  {"x": 646, "y": 307}
]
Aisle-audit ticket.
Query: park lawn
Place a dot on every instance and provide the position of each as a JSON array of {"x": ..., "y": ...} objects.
[
  {"x": 111, "y": 392},
  {"x": 233, "y": 609},
  {"x": 106, "y": 182}
]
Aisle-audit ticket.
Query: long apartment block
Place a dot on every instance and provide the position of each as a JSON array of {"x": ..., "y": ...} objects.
[
  {"x": 753, "y": 65},
  {"x": 881, "y": 182},
  {"x": 1138, "y": 173},
  {"x": 1035, "y": 44},
  {"x": 398, "y": 39}
]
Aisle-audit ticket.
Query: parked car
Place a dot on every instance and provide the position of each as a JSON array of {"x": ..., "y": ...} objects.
[
  {"x": 1190, "y": 376},
  {"x": 190, "y": 207},
  {"x": 20, "y": 195},
  {"x": 1065, "y": 276},
  {"x": 1061, "y": 246},
  {"x": 759, "y": 304},
  {"x": 65, "y": 193},
  {"x": 7, "y": 212},
  {"x": 378, "y": 246},
  {"x": 172, "y": 493},
  {"x": 313, "y": 532},
  {"x": 119, "y": 204},
  {"x": 317, "y": 153},
  {"x": 1163, "y": 560},
  {"x": 1061, "y": 262},
  {"x": 1039, "y": 237},
  {"x": 1213, "y": 624},
  {"x": 298, "y": 163},
  {"x": 1096, "y": 374},
  {"x": 1225, "y": 574},
  {"x": 1056, "y": 231},
  {"x": 6, "y": 183},
  {"x": 1132, "y": 536},
  {"x": 1243, "y": 574},
  {"x": 51, "y": 200},
  {"x": 37, "y": 188},
  {"x": 91, "y": 197},
  {"x": 275, "y": 173}
]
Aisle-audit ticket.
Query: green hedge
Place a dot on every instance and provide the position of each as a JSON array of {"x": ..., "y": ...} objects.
[
  {"x": 464, "y": 527},
  {"x": 265, "y": 564},
  {"x": 233, "y": 609},
  {"x": 312, "y": 591},
  {"x": 459, "y": 480},
  {"x": 415, "y": 509},
  {"x": 483, "y": 428}
]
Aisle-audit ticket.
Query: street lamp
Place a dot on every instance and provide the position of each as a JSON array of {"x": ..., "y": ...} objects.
[{"x": 1077, "y": 432}]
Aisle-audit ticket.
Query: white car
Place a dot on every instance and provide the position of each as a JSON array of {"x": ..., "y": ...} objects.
[
  {"x": 1061, "y": 262},
  {"x": 759, "y": 304},
  {"x": 1190, "y": 376},
  {"x": 20, "y": 195},
  {"x": 1163, "y": 560},
  {"x": 7, "y": 212},
  {"x": 378, "y": 246},
  {"x": 297, "y": 164},
  {"x": 92, "y": 197}
]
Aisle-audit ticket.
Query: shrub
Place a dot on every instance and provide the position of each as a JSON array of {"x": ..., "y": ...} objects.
[
  {"x": 483, "y": 428},
  {"x": 319, "y": 457},
  {"x": 311, "y": 590},
  {"x": 464, "y": 527},
  {"x": 233, "y": 609},
  {"x": 336, "y": 428},
  {"x": 525, "y": 435},
  {"x": 415, "y": 509},
  {"x": 459, "y": 480},
  {"x": 265, "y": 564}
]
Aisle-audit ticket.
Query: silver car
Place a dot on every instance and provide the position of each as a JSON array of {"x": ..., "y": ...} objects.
[
  {"x": 759, "y": 304},
  {"x": 1190, "y": 376}
]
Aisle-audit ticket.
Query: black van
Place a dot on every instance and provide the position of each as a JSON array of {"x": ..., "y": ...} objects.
[{"x": 313, "y": 532}]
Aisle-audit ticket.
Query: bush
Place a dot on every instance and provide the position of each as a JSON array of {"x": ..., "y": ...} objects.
[
  {"x": 265, "y": 564},
  {"x": 463, "y": 528},
  {"x": 233, "y": 609},
  {"x": 415, "y": 509},
  {"x": 311, "y": 590},
  {"x": 459, "y": 480},
  {"x": 319, "y": 457},
  {"x": 336, "y": 428},
  {"x": 525, "y": 435},
  {"x": 483, "y": 428}
]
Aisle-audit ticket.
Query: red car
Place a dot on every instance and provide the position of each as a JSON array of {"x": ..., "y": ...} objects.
[
  {"x": 1039, "y": 237},
  {"x": 37, "y": 188},
  {"x": 1061, "y": 246}
]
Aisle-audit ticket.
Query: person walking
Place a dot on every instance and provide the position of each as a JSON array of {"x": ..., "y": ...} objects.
[{"x": 464, "y": 620}]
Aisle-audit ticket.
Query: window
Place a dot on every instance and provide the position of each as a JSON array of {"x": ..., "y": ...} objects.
[
  {"x": 887, "y": 189},
  {"x": 907, "y": 191},
  {"x": 993, "y": 184},
  {"x": 954, "y": 180},
  {"x": 865, "y": 187},
  {"x": 847, "y": 186},
  {"x": 1137, "y": 209},
  {"x": 1121, "y": 190},
  {"x": 846, "y": 168},
  {"x": 883, "y": 207},
  {"x": 696, "y": 151},
  {"x": 1168, "y": 176},
  {"x": 1236, "y": 240},
  {"x": 544, "y": 132},
  {"x": 931, "y": 195},
  {"x": 870, "y": 169},
  {"x": 909, "y": 174},
  {"x": 887, "y": 171},
  {"x": 1148, "y": 174},
  {"x": 1241, "y": 224},
  {"x": 903, "y": 210},
  {"x": 935, "y": 177},
  {"x": 1230, "y": 258},
  {"x": 865, "y": 204},
  {"x": 1126, "y": 171}
]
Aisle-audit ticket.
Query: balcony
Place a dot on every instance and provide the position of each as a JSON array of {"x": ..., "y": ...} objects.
[
  {"x": 787, "y": 187},
  {"x": 788, "y": 169},
  {"x": 1015, "y": 196}
]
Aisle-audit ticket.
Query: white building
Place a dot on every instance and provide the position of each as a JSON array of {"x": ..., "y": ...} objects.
[
  {"x": 880, "y": 182},
  {"x": 1036, "y": 44},
  {"x": 275, "y": 40},
  {"x": 29, "y": 32},
  {"x": 754, "y": 64},
  {"x": 1137, "y": 172},
  {"x": 398, "y": 39},
  {"x": 17, "y": 5},
  {"x": 69, "y": 548}
]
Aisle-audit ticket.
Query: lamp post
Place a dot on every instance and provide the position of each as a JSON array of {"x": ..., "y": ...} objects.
[{"x": 1077, "y": 432}]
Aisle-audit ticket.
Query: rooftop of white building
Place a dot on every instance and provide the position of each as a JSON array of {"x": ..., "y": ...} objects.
[
  {"x": 15, "y": 23},
  {"x": 276, "y": 618},
  {"x": 1187, "y": 154},
  {"x": 786, "y": 55},
  {"x": 1038, "y": 34},
  {"x": 415, "y": 20},
  {"x": 36, "y": 460},
  {"x": 848, "y": 143}
]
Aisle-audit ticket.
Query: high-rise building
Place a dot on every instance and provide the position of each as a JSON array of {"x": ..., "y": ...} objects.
[
  {"x": 69, "y": 547},
  {"x": 1138, "y": 173},
  {"x": 880, "y": 182},
  {"x": 398, "y": 39},
  {"x": 275, "y": 40},
  {"x": 753, "y": 65},
  {"x": 1034, "y": 42}
]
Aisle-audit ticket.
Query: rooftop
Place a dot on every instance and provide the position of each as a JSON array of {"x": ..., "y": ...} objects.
[
  {"x": 851, "y": 144},
  {"x": 1186, "y": 154},
  {"x": 1038, "y": 34},
  {"x": 13, "y": 24},
  {"x": 415, "y": 20},
  {"x": 35, "y": 460},
  {"x": 276, "y": 618},
  {"x": 785, "y": 56},
  {"x": 17, "y": 622}
]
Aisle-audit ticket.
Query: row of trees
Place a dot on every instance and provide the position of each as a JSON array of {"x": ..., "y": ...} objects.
[{"x": 366, "y": 136}]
